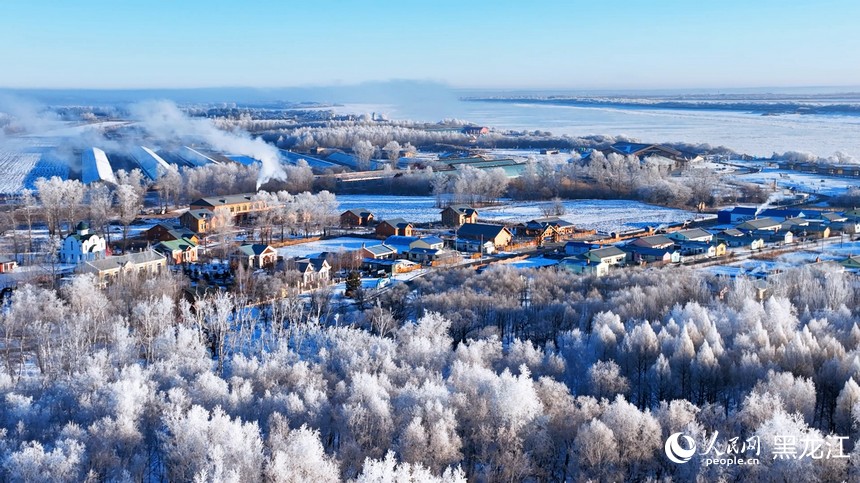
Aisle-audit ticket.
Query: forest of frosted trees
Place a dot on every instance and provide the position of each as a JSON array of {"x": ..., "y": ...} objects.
[{"x": 506, "y": 375}]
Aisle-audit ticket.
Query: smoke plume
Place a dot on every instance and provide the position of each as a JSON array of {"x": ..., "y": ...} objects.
[{"x": 164, "y": 120}]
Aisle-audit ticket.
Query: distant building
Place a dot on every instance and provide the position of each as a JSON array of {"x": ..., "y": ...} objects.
[
  {"x": 356, "y": 217},
  {"x": 198, "y": 221},
  {"x": 692, "y": 234},
  {"x": 165, "y": 232},
  {"x": 760, "y": 225},
  {"x": 475, "y": 130},
  {"x": 428, "y": 242},
  {"x": 653, "y": 255},
  {"x": 394, "y": 227},
  {"x": 483, "y": 232},
  {"x": 7, "y": 266},
  {"x": 551, "y": 227},
  {"x": 653, "y": 241},
  {"x": 315, "y": 272},
  {"x": 734, "y": 238},
  {"x": 240, "y": 206},
  {"x": 255, "y": 255},
  {"x": 579, "y": 247},
  {"x": 179, "y": 251},
  {"x": 583, "y": 266},
  {"x": 610, "y": 255},
  {"x": 82, "y": 246},
  {"x": 743, "y": 213},
  {"x": 474, "y": 246},
  {"x": 145, "y": 263},
  {"x": 429, "y": 255},
  {"x": 851, "y": 263},
  {"x": 378, "y": 252},
  {"x": 456, "y": 215},
  {"x": 400, "y": 243},
  {"x": 642, "y": 151}
]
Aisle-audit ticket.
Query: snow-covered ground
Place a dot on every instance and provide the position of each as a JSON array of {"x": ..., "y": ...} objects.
[
  {"x": 601, "y": 215},
  {"x": 535, "y": 262},
  {"x": 806, "y": 182},
  {"x": 833, "y": 249},
  {"x": 332, "y": 245},
  {"x": 16, "y": 167}
]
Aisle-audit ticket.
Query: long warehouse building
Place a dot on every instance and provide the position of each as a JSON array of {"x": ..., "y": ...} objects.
[
  {"x": 149, "y": 161},
  {"x": 194, "y": 157},
  {"x": 95, "y": 166}
]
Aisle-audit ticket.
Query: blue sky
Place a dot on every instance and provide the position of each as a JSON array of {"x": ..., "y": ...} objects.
[{"x": 608, "y": 44}]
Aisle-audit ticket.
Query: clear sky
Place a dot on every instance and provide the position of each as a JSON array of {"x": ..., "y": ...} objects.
[{"x": 599, "y": 44}]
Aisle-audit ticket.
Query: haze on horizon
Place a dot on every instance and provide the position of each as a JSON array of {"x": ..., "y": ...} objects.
[{"x": 97, "y": 44}]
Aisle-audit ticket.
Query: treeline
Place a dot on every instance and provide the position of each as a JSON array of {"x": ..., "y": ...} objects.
[{"x": 504, "y": 375}]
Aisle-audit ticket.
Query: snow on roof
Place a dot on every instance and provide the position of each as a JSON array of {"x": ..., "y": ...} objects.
[
  {"x": 149, "y": 161},
  {"x": 95, "y": 166}
]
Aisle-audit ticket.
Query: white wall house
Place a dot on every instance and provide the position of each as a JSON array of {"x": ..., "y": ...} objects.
[{"x": 82, "y": 246}]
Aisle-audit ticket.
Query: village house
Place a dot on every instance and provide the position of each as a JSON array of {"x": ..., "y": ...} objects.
[
  {"x": 583, "y": 266},
  {"x": 82, "y": 246},
  {"x": 255, "y": 255},
  {"x": 165, "y": 232},
  {"x": 378, "y": 252},
  {"x": 849, "y": 227},
  {"x": 456, "y": 215},
  {"x": 474, "y": 246},
  {"x": 743, "y": 213},
  {"x": 428, "y": 243},
  {"x": 692, "y": 234},
  {"x": 198, "y": 221},
  {"x": 482, "y": 232},
  {"x": 610, "y": 255},
  {"x": 7, "y": 266},
  {"x": 145, "y": 263},
  {"x": 642, "y": 255},
  {"x": 694, "y": 250},
  {"x": 795, "y": 224},
  {"x": 653, "y": 241},
  {"x": 401, "y": 243},
  {"x": 430, "y": 255},
  {"x": 579, "y": 247},
  {"x": 178, "y": 252},
  {"x": 356, "y": 217},
  {"x": 813, "y": 232},
  {"x": 776, "y": 237},
  {"x": 851, "y": 263},
  {"x": 315, "y": 272},
  {"x": 642, "y": 150},
  {"x": 551, "y": 226},
  {"x": 240, "y": 206},
  {"x": 388, "y": 266},
  {"x": 853, "y": 214},
  {"x": 760, "y": 225},
  {"x": 475, "y": 130},
  {"x": 394, "y": 227},
  {"x": 734, "y": 238},
  {"x": 832, "y": 217},
  {"x": 544, "y": 229}
]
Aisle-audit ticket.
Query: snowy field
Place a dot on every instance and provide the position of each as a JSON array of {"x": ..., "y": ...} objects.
[
  {"x": 744, "y": 132},
  {"x": 20, "y": 170},
  {"x": 535, "y": 262},
  {"x": 16, "y": 168},
  {"x": 806, "y": 182},
  {"x": 332, "y": 245},
  {"x": 834, "y": 249},
  {"x": 601, "y": 215}
]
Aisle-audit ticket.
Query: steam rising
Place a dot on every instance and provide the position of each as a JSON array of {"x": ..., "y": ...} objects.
[{"x": 164, "y": 120}]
